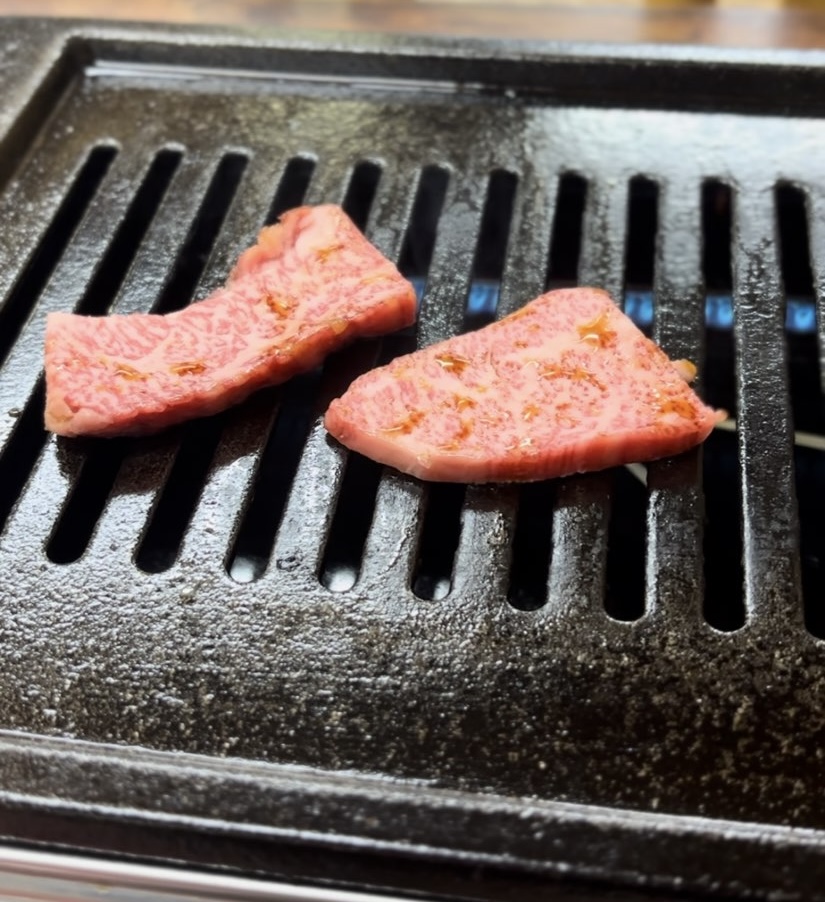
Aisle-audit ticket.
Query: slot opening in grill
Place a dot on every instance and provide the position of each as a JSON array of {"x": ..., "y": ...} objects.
[
  {"x": 251, "y": 548},
  {"x": 292, "y": 187},
  {"x": 566, "y": 240},
  {"x": 194, "y": 255},
  {"x": 642, "y": 229},
  {"x": 102, "y": 460},
  {"x": 28, "y": 436},
  {"x": 723, "y": 605},
  {"x": 354, "y": 507},
  {"x": 801, "y": 337},
  {"x": 441, "y": 524},
  {"x": 361, "y": 191},
  {"x": 491, "y": 250},
  {"x": 22, "y": 298},
  {"x": 532, "y": 546},
  {"x": 627, "y": 528},
  {"x": 173, "y": 510}
]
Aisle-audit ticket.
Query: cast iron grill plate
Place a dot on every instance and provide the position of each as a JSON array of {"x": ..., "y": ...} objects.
[{"x": 235, "y": 645}]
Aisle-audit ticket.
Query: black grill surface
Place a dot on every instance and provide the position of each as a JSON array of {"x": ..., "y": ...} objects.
[{"x": 236, "y": 645}]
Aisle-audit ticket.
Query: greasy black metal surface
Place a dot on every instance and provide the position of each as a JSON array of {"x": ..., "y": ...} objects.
[{"x": 233, "y": 630}]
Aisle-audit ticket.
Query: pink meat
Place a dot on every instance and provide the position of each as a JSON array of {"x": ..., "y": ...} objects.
[
  {"x": 311, "y": 284},
  {"x": 566, "y": 384}
]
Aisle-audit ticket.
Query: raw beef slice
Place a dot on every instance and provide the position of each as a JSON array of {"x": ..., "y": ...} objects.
[
  {"x": 564, "y": 385},
  {"x": 311, "y": 284}
]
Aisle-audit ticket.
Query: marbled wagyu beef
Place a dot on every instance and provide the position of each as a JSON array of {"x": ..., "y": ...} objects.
[
  {"x": 311, "y": 284},
  {"x": 564, "y": 385}
]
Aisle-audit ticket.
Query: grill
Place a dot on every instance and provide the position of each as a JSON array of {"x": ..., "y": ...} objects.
[{"x": 234, "y": 645}]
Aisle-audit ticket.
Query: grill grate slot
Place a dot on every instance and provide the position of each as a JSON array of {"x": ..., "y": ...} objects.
[
  {"x": 809, "y": 464},
  {"x": 361, "y": 192},
  {"x": 566, "y": 242},
  {"x": 21, "y": 300},
  {"x": 642, "y": 228},
  {"x": 114, "y": 266},
  {"x": 491, "y": 251},
  {"x": 193, "y": 256},
  {"x": 416, "y": 254},
  {"x": 292, "y": 187},
  {"x": 723, "y": 603},
  {"x": 86, "y": 500},
  {"x": 97, "y": 298},
  {"x": 626, "y": 544},
  {"x": 718, "y": 376},
  {"x": 797, "y": 279},
  {"x": 438, "y": 541},
  {"x": 532, "y": 546},
  {"x": 252, "y": 548},
  {"x": 355, "y": 506},
  {"x": 441, "y": 522},
  {"x": 806, "y": 396},
  {"x": 170, "y": 517},
  {"x": 354, "y": 510},
  {"x": 21, "y": 451}
]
